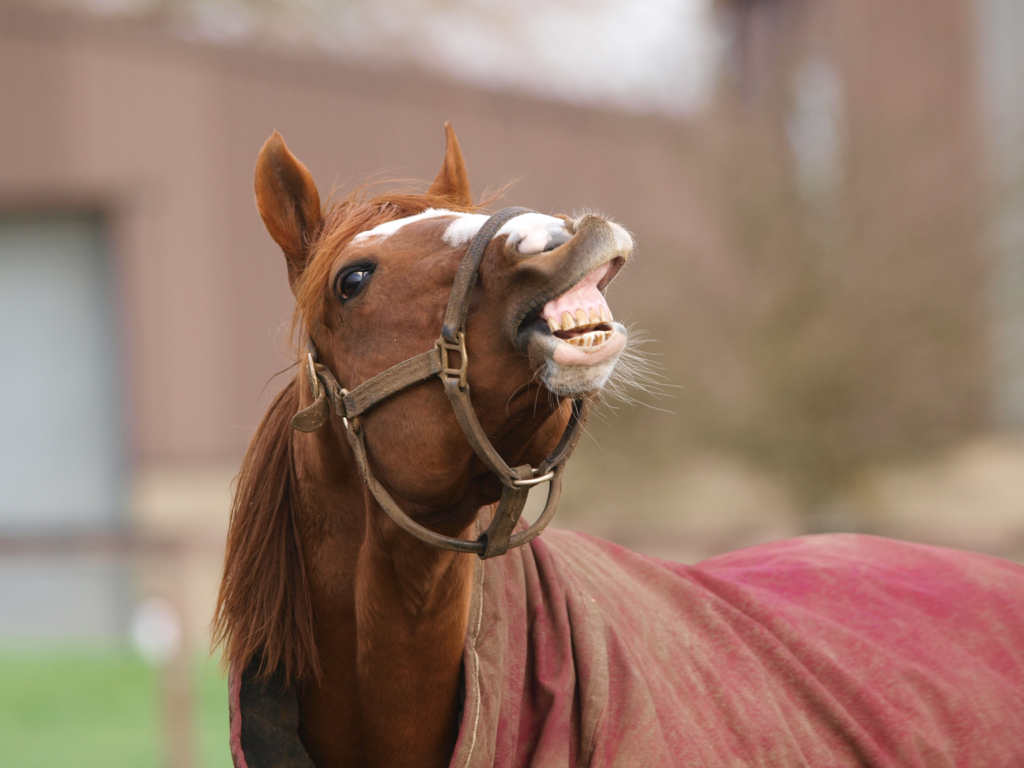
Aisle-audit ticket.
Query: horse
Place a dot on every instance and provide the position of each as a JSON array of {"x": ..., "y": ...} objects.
[{"x": 384, "y": 604}]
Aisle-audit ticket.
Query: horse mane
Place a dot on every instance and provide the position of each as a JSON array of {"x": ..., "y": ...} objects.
[{"x": 264, "y": 612}]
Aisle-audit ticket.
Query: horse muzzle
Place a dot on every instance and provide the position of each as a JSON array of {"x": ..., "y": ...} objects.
[{"x": 566, "y": 327}]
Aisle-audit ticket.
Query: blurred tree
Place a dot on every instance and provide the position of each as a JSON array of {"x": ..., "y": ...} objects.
[{"x": 853, "y": 199}]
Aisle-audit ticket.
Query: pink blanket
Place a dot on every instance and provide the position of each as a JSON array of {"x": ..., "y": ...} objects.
[
  {"x": 822, "y": 651},
  {"x": 835, "y": 650}
]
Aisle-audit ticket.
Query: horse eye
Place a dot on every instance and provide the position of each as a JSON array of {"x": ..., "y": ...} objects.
[{"x": 350, "y": 283}]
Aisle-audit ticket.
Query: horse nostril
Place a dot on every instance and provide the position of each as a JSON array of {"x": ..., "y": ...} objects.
[
  {"x": 557, "y": 238},
  {"x": 534, "y": 234},
  {"x": 539, "y": 241}
]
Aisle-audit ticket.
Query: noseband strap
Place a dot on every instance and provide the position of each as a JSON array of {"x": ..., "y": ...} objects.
[{"x": 517, "y": 481}]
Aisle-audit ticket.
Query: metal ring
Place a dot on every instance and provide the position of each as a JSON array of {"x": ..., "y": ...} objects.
[
  {"x": 314, "y": 380},
  {"x": 530, "y": 482},
  {"x": 344, "y": 419}
]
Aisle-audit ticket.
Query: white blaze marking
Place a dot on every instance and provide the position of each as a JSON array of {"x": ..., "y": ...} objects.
[
  {"x": 531, "y": 231},
  {"x": 462, "y": 230},
  {"x": 390, "y": 227}
]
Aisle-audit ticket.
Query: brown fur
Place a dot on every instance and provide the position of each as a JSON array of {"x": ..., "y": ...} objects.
[
  {"x": 342, "y": 222},
  {"x": 294, "y": 220},
  {"x": 452, "y": 181}
]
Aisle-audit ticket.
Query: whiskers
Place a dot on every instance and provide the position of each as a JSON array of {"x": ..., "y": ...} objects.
[{"x": 637, "y": 378}]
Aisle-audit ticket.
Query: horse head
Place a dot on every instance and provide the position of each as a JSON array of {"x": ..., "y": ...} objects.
[{"x": 372, "y": 280}]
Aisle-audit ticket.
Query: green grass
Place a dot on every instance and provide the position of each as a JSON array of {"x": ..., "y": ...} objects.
[
  {"x": 212, "y": 716},
  {"x": 86, "y": 709}
]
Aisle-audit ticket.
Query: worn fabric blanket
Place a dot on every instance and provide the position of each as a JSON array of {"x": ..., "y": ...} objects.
[{"x": 836, "y": 650}]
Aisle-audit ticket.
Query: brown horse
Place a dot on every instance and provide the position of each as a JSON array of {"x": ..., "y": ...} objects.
[
  {"x": 368, "y": 621},
  {"x": 354, "y": 643}
]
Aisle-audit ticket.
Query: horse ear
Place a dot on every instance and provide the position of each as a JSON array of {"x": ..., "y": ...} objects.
[
  {"x": 288, "y": 202},
  {"x": 452, "y": 181}
]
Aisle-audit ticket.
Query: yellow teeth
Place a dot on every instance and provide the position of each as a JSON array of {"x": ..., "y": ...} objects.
[
  {"x": 581, "y": 319},
  {"x": 590, "y": 339}
]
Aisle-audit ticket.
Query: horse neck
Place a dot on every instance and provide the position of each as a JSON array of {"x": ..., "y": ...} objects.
[{"x": 390, "y": 621}]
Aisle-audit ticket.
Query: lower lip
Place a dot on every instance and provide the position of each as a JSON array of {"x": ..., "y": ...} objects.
[{"x": 569, "y": 354}]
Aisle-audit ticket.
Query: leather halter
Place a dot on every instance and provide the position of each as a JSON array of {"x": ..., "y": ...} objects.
[{"x": 517, "y": 481}]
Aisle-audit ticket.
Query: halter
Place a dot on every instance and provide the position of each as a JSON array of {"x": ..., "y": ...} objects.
[{"x": 517, "y": 481}]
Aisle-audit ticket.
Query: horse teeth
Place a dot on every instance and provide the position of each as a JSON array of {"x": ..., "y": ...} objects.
[
  {"x": 606, "y": 315},
  {"x": 567, "y": 322},
  {"x": 592, "y": 338},
  {"x": 553, "y": 324},
  {"x": 581, "y": 318},
  {"x": 595, "y": 318}
]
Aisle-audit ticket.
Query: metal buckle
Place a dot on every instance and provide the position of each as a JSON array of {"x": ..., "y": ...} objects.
[
  {"x": 444, "y": 347},
  {"x": 314, "y": 380},
  {"x": 532, "y": 481},
  {"x": 355, "y": 423}
]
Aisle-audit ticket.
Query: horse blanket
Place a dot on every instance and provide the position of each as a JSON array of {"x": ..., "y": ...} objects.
[{"x": 833, "y": 650}]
